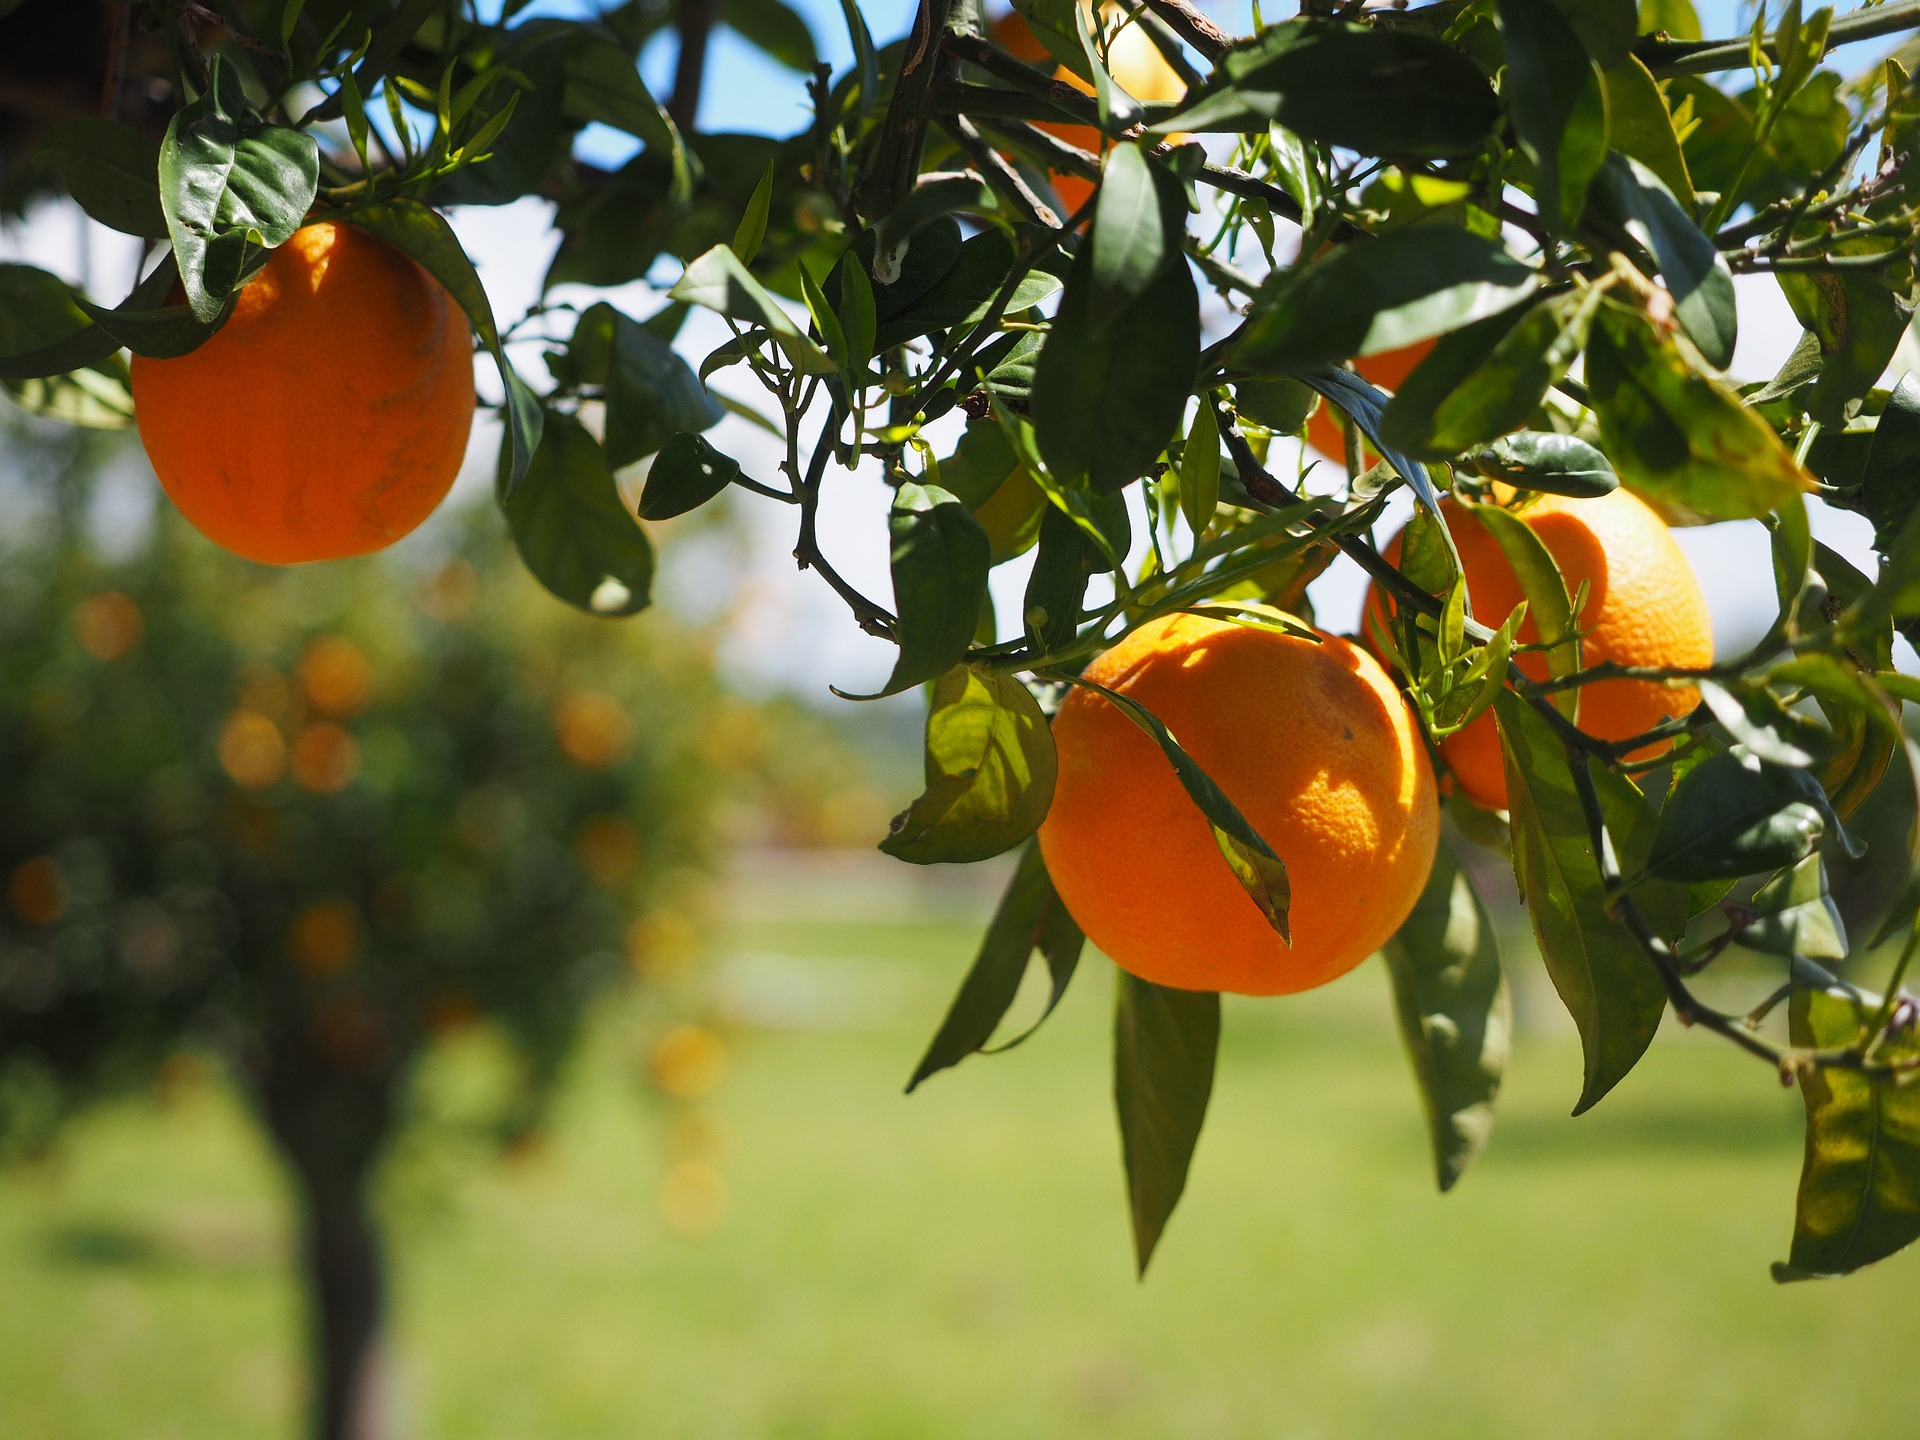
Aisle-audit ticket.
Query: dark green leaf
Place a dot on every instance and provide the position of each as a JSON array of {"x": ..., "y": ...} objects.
[
  {"x": 1164, "y": 1045},
  {"x": 1605, "y": 979},
  {"x": 571, "y": 527},
  {"x": 1639, "y": 124},
  {"x": 1857, "y": 317},
  {"x": 1381, "y": 91},
  {"x": 111, "y": 170},
  {"x": 1679, "y": 437},
  {"x": 1887, "y": 483},
  {"x": 422, "y": 233},
  {"x": 1549, "y": 605},
  {"x": 603, "y": 84},
  {"x": 1558, "y": 106},
  {"x": 1107, "y": 399},
  {"x": 1547, "y": 461},
  {"x": 1631, "y": 196},
  {"x": 1261, "y": 873},
  {"x": 940, "y": 561},
  {"x": 1380, "y": 294},
  {"x": 990, "y": 769},
  {"x": 719, "y": 282},
  {"x": 1486, "y": 378},
  {"x": 650, "y": 391},
  {"x": 1737, "y": 815},
  {"x": 752, "y": 228},
  {"x": 1795, "y": 915},
  {"x": 1139, "y": 223},
  {"x": 1755, "y": 718},
  {"x": 1454, "y": 1011},
  {"x": 229, "y": 182},
  {"x": 1066, "y": 560},
  {"x": 1859, "y": 1195},
  {"x": 1030, "y": 917},
  {"x": 1282, "y": 404},
  {"x": 1200, "y": 468},
  {"x": 38, "y": 315},
  {"x": 686, "y": 474},
  {"x": 776, "y": 28},
  {"x": 1605, "y": 27},
  {"x": 1366, "y": 406}
]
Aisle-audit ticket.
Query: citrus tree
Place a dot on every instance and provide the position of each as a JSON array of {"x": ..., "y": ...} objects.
[
  {"x": 1065, "y": 289},
  {"x": 311, "y": 822}
]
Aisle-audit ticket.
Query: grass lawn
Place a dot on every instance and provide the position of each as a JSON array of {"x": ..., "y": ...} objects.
[{"x": 956, "y": 1264}]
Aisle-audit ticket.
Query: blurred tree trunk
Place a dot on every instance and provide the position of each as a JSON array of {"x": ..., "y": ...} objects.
[{"x": 330, "y": 1127}]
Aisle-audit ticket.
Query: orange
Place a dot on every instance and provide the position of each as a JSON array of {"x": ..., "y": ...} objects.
[
  {"x": 1644, "y": 607},
  {"x": 1318, "y": 750},
  {"x": 1389, "y": 370},
  {"x": 1134, "y": 61},
  {"x": 328, "y": 416}
]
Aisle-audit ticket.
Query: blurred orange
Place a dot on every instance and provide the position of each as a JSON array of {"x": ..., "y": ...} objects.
[
  {"x": 326, "y": 937},
  {"x": 38, "y": 891},
  {"x": 335, "y": 676},
  {"x": 693, "y": 1198},
  {"x": 107, "y": 625},
  {"x": 252, "y": 750},
  {"x": 592, "y": 729},
  {"x": 325, "y": 758},
  {"x": 688, "y": 1062}
]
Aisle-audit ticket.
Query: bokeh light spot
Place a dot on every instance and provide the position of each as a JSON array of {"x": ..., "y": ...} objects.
[
  {"x": 107, "y": 625},
  {"x": 252, "y": 750},
  {"x": 335, "y": 675}
]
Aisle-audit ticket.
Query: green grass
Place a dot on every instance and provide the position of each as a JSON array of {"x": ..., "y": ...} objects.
[{"x": 956, "y": 1264}]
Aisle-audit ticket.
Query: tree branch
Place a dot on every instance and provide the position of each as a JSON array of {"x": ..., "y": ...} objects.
[
  {"x": 1702, "y": 57},
  {"x": 904, "y": 131},
  {"x": 697, "y": 19},
  {"x": 1193, "y": 27}
]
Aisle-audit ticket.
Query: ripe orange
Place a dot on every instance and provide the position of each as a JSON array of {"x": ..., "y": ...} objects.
[
  {"x": 1316, "y": 747},
  {"x": 329, "y": 415},
  {"x": 1135, "y": 62},
  {"x": 1644, "y": 607},
  {"x": 1389, "y": 370}
]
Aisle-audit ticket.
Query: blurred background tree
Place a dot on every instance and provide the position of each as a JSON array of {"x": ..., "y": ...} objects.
[{"x": 313, "y": 820}]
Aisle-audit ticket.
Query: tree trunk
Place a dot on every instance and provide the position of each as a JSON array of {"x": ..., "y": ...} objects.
[
  {"x": 344, "y": 1277},
  {"x": 330, "y": 1128}
]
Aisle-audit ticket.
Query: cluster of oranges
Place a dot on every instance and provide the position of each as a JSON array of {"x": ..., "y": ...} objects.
[{"x": 295, "y": 728}]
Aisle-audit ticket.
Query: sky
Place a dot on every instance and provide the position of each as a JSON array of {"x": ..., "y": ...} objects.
[{"x": 785, "y": 630}]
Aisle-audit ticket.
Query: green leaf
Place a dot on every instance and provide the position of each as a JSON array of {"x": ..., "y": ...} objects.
[
  {"x": 603, "y": 84},
  {"x": 1548, "y": 604},
  {"x": 1030, "y": 917},
  {"x": 1164, "y": 1046},
  {"x": 1755, "y": 718},
  {"x": 38, "y": 313},
  {"x": 1487, "y": 377},
  {"x": 1859, "y": 1195},
  {"x": 1379, "y": 90},
  {"x": 1631, "y": 196},
  {"x": 229, "y": 181},
  {"x": 1607, "y": 982},
  {"x": 1200, "y": 468},
  {"x": 1380, "y": 294},
  {"x": 1558, "y": 106},
  {"x": 1795, "y": 915},
  {"x": 1107, "y": 398},
  {"x": 1547, "y": 461},
  {"x": 1886, "y": 486},
  {"x": 1640, "y": 125},
  {"x": 719, "y": 282},
  {"x": 1139, "y": 224},
  {"x": 1857, "y": 317},
  {"x": 651, "y": 393},
  {"x": 752, "y": 228},
  {"x": 959, "y": 297},
  {"x": 855, "y": 312},
  {"x": 1261, "y": 873},
  {"x": 777, "y": 28},
  {"x": 940, "y": 561},
  {"x": 1736, "y": 815},
  {"x": 686, "y": 474},
  {"x": 1673, "y": 18},
  {"x": 1679, "y": 437},
  {"x": 1065, "y": 560},
  {"x": 1456, "y": 1017},
  {"x": 1366, "y": 406},
  {"x": 111, "y": 170},
  {"x": 1606, "y": 27},
  {"x": 423, "y": 234},
  {"x": 990, "y": 768},
  {"x": 571, "y": 527}
]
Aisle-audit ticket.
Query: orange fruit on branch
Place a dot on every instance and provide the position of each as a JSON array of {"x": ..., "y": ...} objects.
[
  {"x": 1644, "y": 608},
  {"x": 1318, "y": 750},
  {"x": 328, "y": 416}
]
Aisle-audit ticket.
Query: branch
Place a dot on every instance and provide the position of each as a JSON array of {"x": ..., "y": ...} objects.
[
  {"x": 1702, "y": 57},
  {"x": 697, "y": 18},
  {"x": 1006, "y": 181},
  {"x": 871, "y": 618},
  {"x": 1193, "y": 27},
  {"x": 904, "y": 131}
]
